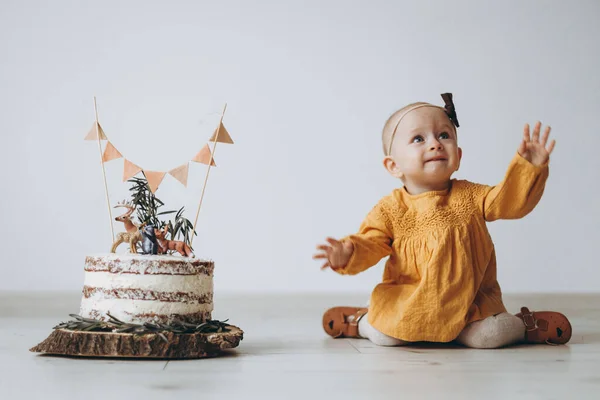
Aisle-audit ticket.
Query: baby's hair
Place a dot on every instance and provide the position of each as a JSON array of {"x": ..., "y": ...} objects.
[{"x": 390, "y": 124}]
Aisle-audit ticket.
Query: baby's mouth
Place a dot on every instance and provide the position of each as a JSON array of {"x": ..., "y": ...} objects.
[{"x": 436, "y": 159}]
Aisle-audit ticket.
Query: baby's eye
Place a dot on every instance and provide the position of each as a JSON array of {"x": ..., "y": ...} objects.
[
  {"x": 444, "y": 135},
  {"x": 417, "y": 139}
]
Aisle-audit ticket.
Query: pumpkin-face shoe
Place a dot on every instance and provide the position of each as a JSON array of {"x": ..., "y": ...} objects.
[
  {"x": 342, "y": 322},
  {"x": 549, "y": 327}
]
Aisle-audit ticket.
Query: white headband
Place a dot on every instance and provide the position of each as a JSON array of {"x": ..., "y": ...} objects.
[{"x": 403, "y": 115}]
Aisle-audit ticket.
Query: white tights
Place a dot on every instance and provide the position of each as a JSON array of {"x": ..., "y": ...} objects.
[{"x": 496, "y": 331}]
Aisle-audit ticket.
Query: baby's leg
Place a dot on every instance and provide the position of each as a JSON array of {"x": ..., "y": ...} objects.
[
  {"x": 366, "y": 330},
  {"x": 496, "y": 331}
]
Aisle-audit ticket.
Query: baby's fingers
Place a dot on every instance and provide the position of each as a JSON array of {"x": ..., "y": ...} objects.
[
  {"x": 551, "y": 146},
  {"x": 333, "y": 241},
  {"x": 536, "y": 132},
  {"x": 325, "y": 266},
  {"x": 319, "y": 256},
  {"x": 526, "y": 137},
  {"x": 545, "y": 135}
]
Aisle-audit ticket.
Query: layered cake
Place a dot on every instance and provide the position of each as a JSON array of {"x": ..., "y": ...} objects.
[
  {"x": 147, "y": 288},
  {"x": 160, "y": 294}
]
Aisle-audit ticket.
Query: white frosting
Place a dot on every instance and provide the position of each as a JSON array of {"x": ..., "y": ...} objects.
[
  {"x": 148, "y": 264},
  {"x": 131, "y": 256},
  {"x": 125, "y": 309},
  {"x": 102, "y": 287},
  {"x": 196, "y": 284}
]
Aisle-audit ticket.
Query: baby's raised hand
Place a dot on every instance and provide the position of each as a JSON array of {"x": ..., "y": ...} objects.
[
  {"x": 534, "y": 149},
  {"x": 337, "y": 254}
]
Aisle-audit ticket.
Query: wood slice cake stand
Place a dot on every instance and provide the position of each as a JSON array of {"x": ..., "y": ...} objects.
[{"x": 145, "y": 346}]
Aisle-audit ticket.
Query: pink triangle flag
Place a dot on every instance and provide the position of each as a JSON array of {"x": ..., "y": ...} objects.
[{"x": 204, "y": 156}]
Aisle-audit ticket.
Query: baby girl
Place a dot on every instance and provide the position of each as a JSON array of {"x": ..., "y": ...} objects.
[{"x": 439, "y": 283}]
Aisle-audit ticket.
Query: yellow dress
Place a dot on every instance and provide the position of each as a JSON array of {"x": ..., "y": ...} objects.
[{"x": 441, "y": 273}]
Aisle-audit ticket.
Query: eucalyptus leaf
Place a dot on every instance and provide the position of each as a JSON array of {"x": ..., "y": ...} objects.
[
  {"x": 114, "y": 324},
  {"x": 165, "y": 212}
]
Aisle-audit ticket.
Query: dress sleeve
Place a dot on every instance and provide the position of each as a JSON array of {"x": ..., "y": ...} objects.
[
  {"x": 371, "y": 243},
  {"x": 519, "y": 192}
]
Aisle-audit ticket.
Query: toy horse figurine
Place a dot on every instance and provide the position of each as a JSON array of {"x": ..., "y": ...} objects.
[
  {"x": 132, "y": 234},
  {"x": 166, "y": 245}
]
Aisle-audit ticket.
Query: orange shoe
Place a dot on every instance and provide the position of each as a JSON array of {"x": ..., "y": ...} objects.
[
  {"x": 340, "y": 322},
  {"x": 545, "y": 326}
]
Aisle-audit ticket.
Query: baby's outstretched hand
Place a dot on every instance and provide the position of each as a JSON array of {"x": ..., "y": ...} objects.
[
  {"x": 534, "y": 149},
  {"x": 336, "y": 253}
]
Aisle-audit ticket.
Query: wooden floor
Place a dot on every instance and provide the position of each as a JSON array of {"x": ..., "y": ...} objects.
[{"x": 286, "y": 355}]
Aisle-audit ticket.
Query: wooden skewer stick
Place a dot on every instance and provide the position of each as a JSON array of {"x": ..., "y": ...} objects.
[
  {"x": 212, "y": 154},
  {"x": 112, "y": 231}
]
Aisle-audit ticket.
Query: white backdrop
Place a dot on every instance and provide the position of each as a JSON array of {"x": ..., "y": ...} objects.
[{"x": 309, "y": 86}]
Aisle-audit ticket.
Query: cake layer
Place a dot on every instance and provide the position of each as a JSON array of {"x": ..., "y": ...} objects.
[
  {"x": 148, "y": 264},
  {"x": 201, "y": 284},
  {"x": 194, "y": 318},
  {"x": 145, "y": 294},
  {"x": 139, "y": 311},
  {"x": 147, "y": 288}
]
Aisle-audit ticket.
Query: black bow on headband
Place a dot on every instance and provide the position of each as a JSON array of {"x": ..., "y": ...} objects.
[{"x": 449, "y": 107}]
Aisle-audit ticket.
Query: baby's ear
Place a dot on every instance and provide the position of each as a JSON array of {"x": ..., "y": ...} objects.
[
  {"x": 392, "y": 167},
  {"x": 459, "y": 158}
]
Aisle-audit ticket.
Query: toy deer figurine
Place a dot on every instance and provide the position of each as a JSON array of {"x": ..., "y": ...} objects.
[
  {"x": 165, "y": 245},
  {"x": 132, "y": 234}
]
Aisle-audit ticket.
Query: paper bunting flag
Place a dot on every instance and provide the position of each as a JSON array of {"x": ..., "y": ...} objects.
[
  {"x": 203, "y": 156},
  {"x": 129, "y": 170},
  {"x": 111, "y": 153},
  {"x": 223, "y": 135},
  {"x": 154, "y": 179},
  {"x": 180, "y": 173},
  {"x": 93, "y": 135}
]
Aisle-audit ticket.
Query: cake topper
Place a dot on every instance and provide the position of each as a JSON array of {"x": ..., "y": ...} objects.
[
  {"x": 132, "y": 233},
  {"x": 149, "y": 243},
  {"x": 165, "y": 245},
  {"x": 152, "y": 180},
  {"x": 155, "y": 235}
]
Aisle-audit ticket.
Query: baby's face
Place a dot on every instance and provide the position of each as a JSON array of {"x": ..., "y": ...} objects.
[{"x": 425, "y": 147}]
